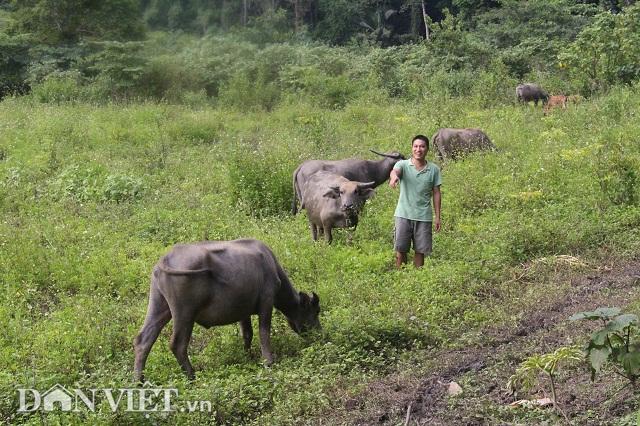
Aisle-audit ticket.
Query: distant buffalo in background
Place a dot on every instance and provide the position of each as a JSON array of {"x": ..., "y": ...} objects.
[
  {"x": 527, "y": 92},
  {"x": 556, "y": 101},
  {"x": 451, "y": 144}
]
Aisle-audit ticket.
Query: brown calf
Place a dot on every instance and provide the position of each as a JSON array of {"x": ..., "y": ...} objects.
[{"x": 555, "y": 101}]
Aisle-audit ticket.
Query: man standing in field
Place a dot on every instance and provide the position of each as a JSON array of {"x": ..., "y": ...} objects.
[{"x": 414, "y": 216}]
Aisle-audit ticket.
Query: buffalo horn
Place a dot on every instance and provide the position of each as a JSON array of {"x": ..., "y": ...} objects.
[
  {"x": 395, "y": 157},
  {"x": 365, "y": 185}
]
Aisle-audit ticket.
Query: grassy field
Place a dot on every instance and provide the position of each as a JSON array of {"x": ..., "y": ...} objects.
[{"x": 92, "y": 196}]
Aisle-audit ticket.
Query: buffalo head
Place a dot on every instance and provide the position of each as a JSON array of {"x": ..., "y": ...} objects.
[
  {"x": 305, "y": 316},
  {"x": 352, "y": 194}
]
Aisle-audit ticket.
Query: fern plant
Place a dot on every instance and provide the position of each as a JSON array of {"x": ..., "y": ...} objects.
[{"x": 526, "y": 375}]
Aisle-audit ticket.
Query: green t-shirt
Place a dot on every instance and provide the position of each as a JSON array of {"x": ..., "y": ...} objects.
[{"x": 416, "y": 189}]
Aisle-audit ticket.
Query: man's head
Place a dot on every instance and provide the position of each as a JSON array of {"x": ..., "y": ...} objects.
[{"x": 419, "y": 147}]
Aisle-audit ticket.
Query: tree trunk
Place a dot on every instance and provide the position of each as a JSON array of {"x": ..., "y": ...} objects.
[
  {"x": 426, "y": 20},
  {"x": 415, "y": 22},
  {"x": 300, "y": 8},
  {"x": 244, "y": 12},
  {"x": 222, "y": 20},
  {"x": 296, "y": 15}
]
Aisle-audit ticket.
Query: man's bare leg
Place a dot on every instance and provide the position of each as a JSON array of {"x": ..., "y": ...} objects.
[
  {"x": 401, "y": 258},
  {"x": 418, "y": 260}
]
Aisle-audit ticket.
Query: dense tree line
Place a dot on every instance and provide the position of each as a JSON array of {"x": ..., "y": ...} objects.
[
  {"x": 337, "y": 21},
  {"x": 108, "y": 40}
]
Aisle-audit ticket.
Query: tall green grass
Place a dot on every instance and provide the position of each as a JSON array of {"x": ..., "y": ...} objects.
[{"x": 91, "y": 196}]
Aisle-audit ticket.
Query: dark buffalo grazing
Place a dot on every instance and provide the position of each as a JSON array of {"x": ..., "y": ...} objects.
[
  {"x": 217, "y": 283},
  {"x": 451, "y": 144},
  {"x": 555, "y": 101},
  {"x": 333, "y": 201},
  {"x": 352, "y": 169},
  {"x": 528, "y": 92}
]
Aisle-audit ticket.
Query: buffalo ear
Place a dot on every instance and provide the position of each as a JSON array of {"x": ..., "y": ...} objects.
[
  {"x": 315, "y": 300},
  {"x": 367, "y": 193},
  {"x": 304, "y": 299},
  {"x": 333, "y": 192}
]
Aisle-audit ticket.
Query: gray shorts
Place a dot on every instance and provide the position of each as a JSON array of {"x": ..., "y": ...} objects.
[{"x": 407, "y": 230}]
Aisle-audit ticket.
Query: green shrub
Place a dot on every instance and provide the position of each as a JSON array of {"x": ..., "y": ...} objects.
[
  {"x": 196, "y": 128},
  {"x": 80, "y": 183},
  {"x": 168, "y": 77},
  {"x": 195, "y": 99},
  {"x": 532, "y": 237},
  {"x": 92, "y": 183},
  {"x": 613, "y": 343},
  {"x": 605, "y": 52},
  {"x": 57, "y": 88},
  {"x": 120, "y": 188},
  {"x": 242, "y": 92},
  {"x": 312, "y": 84},
  {"x": 261, "y": 179},
  {"x": 118, "y": 67},
  {"x": 270, "y": 27},
  {"x": 619, "y": 173},
  {"x": 494, "y": 86}
]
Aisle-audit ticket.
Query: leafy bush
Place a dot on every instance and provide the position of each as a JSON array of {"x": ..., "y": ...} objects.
[
  {"x": 168, "y": 77},
  {"x": 196, "y": 99},
  {"x": 456, "y": 49},
  {"x": 244, "y": 93},
  {"x": 118, "y": 67},
  {"x": 613, "y": 343},
  {"x": 605, "y": 52},
  {"x": 524, "y": 35},
  {"x": 196, "y": 127},
  {"x": 494, "y": 86},
  {"x": 270, "y": 27},
  {"x": 57, "y": 88},
  {"x": 618, "y": 174},
  {"x": 91, "y": 183},
  {"x": 120, "y": 188},
  {"x": 314, "y": 85},
  {"x": 531, "y": 237},
  {"x": 81, "y": 183},
  {"x": 261, "y": 179}
]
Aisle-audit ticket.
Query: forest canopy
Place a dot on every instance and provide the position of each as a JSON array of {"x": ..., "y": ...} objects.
[{"x": 119, "y": 49}]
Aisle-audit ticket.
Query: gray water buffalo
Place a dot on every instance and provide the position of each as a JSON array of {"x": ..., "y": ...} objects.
[
  {"x": 352, "y": 169},
  {"x": 451, "y": 144},
  {"x": 333, "y": 201},
  {"x": 217, "y": 283},
  {"x": 527, "y": 92}
]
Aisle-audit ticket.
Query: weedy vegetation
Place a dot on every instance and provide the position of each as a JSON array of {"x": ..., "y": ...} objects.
[
  {"x": 121, "y": 149},
  {"x": 93, "y": 195}
]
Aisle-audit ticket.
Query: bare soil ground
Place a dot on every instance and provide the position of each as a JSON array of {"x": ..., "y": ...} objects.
[{"x": 482, "y": 369}]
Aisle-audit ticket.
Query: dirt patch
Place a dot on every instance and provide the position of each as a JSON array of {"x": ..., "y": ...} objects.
[{"x": 483, "y": 369}]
